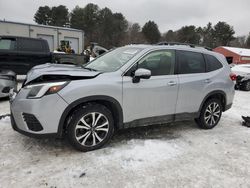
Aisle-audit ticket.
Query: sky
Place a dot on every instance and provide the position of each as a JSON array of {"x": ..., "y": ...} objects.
[{"x": 168, "y": 14}]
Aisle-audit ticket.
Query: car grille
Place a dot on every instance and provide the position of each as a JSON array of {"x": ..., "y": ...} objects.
[{"x": 32, "y": 123}]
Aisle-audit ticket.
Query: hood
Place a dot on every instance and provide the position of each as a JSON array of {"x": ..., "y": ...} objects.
[{"x": 51, "y": 72}]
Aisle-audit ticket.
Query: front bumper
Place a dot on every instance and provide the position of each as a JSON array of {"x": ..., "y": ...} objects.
[{"x": 46, "y": 110}]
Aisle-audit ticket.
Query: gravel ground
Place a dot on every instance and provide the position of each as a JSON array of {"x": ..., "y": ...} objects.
[{"x": 176, "y": 155}]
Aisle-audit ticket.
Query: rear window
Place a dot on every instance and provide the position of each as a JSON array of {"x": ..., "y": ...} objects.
[
  {"x": 190, "y": 62},
  {"x": 7, "y": 44},
  {"x": 212, "y": 63}
]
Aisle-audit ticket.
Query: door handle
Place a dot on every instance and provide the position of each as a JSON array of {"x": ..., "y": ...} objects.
[
  {"x": 172, "y": 83},
  {"x": 208, "y": 81}
]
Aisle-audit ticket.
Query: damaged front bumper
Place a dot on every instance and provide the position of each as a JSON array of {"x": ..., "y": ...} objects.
[{"x": 36, "y": 117}]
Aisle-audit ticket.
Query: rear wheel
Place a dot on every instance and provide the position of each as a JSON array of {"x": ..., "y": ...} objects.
[
  {"x": 210, "y": 114},
  {"x": 246, "y": 86},
  {"x": 90, "y": 127}
]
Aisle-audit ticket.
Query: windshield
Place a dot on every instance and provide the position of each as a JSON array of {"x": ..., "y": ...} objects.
[{"x": 113, "y": 60}]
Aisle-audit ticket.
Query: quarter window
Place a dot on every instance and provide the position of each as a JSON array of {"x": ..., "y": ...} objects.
[
  {"x": 159, "y": 62},
  {"x": 190, "y": 62},
  {"x": 212, "y": 63}
]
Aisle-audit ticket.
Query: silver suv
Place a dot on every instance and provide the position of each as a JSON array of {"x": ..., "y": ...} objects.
[{"x": 135, "y": 85}]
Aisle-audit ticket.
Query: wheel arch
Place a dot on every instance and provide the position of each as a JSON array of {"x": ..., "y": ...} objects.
[
  {"x": 112, "y": 104},
  {"x": 218, "y": 94}
]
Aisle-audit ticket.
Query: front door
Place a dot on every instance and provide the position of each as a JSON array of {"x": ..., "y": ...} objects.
[{"x": 153, "y": 98}]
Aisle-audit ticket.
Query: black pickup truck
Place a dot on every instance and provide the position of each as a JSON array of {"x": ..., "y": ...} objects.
[{"x": 20, "y": 54}]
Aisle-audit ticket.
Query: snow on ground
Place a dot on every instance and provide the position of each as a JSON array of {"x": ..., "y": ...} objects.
[{"x": 176, "y": 155}]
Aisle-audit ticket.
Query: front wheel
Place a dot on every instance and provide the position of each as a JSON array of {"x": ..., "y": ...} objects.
[
  {"x": 210, "y": 114},
  {"x": 90, "y": 127}
]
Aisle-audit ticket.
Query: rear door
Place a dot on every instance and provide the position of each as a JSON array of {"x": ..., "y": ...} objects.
[
  {"x": 193, "y": 81},
  {"x": 151, "y": 99}
]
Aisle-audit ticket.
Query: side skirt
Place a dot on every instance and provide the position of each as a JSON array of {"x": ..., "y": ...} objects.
[{"x": 158, "y": 120}]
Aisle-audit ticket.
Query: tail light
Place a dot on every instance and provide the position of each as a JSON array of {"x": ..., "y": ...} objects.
[{"x": 233, "y": 76}]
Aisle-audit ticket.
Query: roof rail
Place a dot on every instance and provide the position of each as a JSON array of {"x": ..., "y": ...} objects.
[{"x": 183, "y": 44}]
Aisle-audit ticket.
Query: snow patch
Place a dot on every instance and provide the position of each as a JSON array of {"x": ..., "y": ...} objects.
[
  {"x": 141, "y": 153},
  {"x": 5, "y": 119}
]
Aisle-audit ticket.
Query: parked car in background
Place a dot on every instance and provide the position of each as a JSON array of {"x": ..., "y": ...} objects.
[
  {"x": 20, "y": 54},
  {"x": 243, "y": 76},
  {"x": 7, "y": 82},
  {"x": 135, "y": 85}
]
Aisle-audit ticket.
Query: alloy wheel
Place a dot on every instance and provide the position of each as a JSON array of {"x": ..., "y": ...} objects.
[
  {"x": 212, "y": 114},
  {"x": 92, "y": 129}
]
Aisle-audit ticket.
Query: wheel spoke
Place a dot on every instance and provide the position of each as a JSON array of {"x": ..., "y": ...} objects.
[
  {"x": 217, "y": 115},
  {"x": 85, "y": 139},
  {"x": 93, "y": 118},
  {"x": 215, "y": 107},
  {"x": 102, "y": 125},
  {"x": 207, "y": 118},
  {"x": 207, "y": 110},
  {"x": 94, "y": 140},
  {"x": 98, "y": 138},
  {"x": 102, "y": 129},
  {"x": 97, "y": 119},
  {"x": 213, "y": 121},
  {"x": 82, "y": 136},
  {"x": 85, "y": 123},
  {"x": 82, "y": 127},
  {"x": 210, "y": 108}
]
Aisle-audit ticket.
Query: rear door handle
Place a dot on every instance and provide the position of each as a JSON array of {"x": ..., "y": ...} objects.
[
  {"x": 172, "y": 83},
  {"x": 208, "y": 81}
]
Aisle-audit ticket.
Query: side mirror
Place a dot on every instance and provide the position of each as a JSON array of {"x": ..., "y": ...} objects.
[{"x": 141, "y": 74}]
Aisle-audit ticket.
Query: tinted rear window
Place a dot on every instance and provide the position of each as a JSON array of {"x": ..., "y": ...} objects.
[
  {"x": 212, "y": 63},
  {"x": 31, "y": 45},
  {"x": 190, "y": 62}
]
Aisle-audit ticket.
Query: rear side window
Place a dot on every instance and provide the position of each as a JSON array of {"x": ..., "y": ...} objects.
[
  {"x": 190, "y": 62},
  {"x": 212, "y": 63},
  {"x": 30, "y": 45},
  {"x": 7, "y": 44}
]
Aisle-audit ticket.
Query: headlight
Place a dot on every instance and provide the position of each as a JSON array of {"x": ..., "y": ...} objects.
[{"x": 39, "y": 90}]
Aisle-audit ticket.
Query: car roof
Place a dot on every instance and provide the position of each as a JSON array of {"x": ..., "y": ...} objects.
[{"x": 19, "y": 37}]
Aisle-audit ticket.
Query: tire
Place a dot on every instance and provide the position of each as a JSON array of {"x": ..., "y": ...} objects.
[
  {"x": 246, "y": 86},
  {"x": 210, "y": 114},
  {"x": 90, "y": 127}
]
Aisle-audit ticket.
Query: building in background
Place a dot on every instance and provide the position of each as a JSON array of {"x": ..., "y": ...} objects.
[
  {"x": 234, "y": 55},
  {"x": 54, "y": 35}
]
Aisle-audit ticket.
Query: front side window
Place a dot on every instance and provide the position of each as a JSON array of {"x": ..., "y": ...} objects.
[
  {"x": 159, "y": 62},
  {"x": 190, "y": 62},
  {"x": 113, "y": 60},
  {"x": 7, "y": 44}
]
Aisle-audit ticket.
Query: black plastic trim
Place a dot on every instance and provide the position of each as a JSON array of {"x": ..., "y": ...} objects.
[
  {"x": 32, "y": 135},
  {"x": 156, "y": 120},
  {"x": 227, "y": 107},
  {"x": 90, "y": 99},
  {"x": 213, "y": 93}
]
